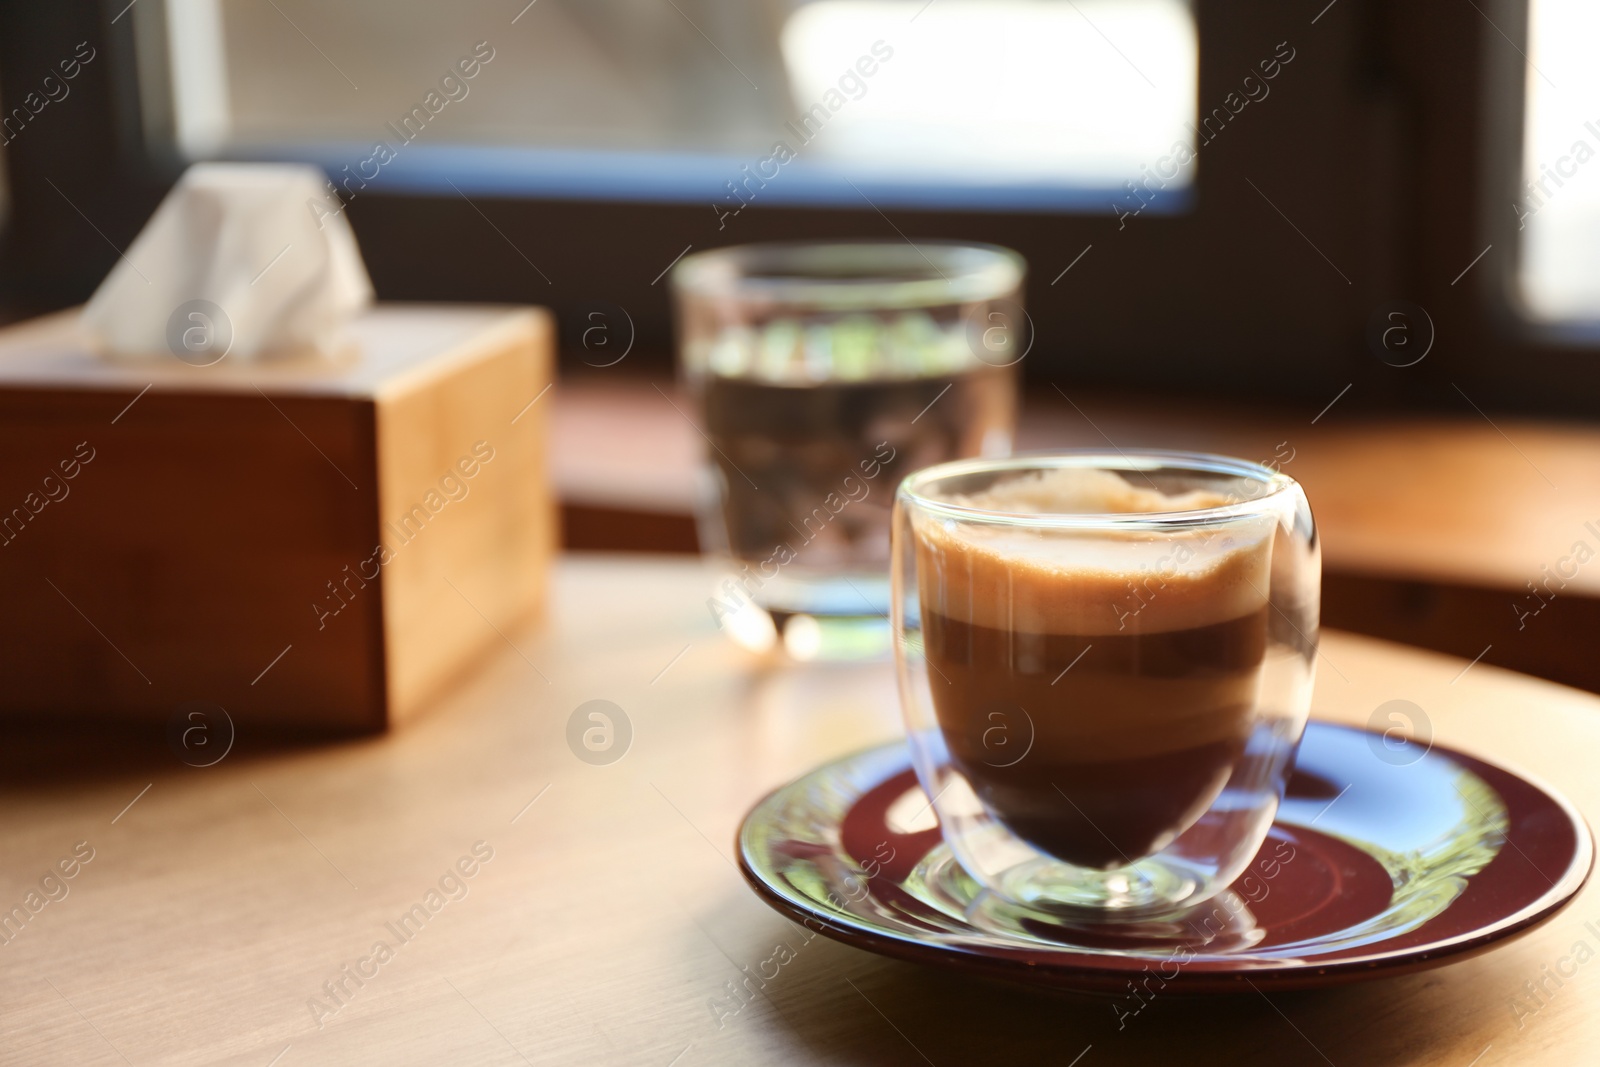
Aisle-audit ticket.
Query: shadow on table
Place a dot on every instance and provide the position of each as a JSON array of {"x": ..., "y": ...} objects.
[
  {"x": 884, "y": 1012},
  {"x": 80, "y": 751}
]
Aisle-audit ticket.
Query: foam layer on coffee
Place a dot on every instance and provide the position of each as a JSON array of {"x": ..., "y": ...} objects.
[
  {"x": 1083, "y": 491},
  {"x": 1088, "y": 582}
]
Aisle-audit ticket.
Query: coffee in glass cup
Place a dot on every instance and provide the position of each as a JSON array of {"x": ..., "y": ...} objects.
[{"x": 1106, "y": 665}]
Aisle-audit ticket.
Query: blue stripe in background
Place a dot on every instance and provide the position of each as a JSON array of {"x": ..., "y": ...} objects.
[{"x": 682, "y": 177}]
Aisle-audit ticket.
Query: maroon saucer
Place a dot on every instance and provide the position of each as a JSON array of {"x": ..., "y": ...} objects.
[{"x": 1384, "y": 859}]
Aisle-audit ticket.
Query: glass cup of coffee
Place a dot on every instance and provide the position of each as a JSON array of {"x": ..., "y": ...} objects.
[
  {"x": 1105, "y": 663},
  {"x": 822, "y": 374}
]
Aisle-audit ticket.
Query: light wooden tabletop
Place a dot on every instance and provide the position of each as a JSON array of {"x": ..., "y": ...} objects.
[{"x": 603, "y": 914}]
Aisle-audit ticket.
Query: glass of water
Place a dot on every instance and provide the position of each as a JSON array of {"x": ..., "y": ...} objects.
[{"x": 821, "y": 375}]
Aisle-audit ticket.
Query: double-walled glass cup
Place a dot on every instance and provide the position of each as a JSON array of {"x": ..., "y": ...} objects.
[
  {"x": 822, "y": 374},
  {"x": 1105, "y": 663}
]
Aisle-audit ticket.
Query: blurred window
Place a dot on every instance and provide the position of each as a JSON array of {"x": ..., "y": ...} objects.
[
  {"x": 1559, "y": 209},
  {"x": 1003, "y": 103}
]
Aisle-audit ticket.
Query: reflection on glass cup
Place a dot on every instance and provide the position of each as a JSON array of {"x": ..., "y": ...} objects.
[
  {"x": 823, "y": 374},
  {"x": 1105, "y": 663}
]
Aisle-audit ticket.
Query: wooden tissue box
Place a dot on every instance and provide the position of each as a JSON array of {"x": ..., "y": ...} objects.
[{"x": 312, "y": 547}]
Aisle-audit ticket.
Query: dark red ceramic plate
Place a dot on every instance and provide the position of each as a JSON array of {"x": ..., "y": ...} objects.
[{"x": 1382, "y": 861}]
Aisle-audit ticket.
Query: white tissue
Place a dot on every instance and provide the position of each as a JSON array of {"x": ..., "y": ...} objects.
[{"x": 238, "y": 261}]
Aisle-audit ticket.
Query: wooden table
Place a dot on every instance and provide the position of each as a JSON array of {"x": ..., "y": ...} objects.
[
  {"x": 1433, "y": 525},
  {"x": 219, "y": 900}
]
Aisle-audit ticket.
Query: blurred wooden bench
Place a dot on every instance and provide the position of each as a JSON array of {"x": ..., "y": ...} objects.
[{"x": 1449, "y": 532}]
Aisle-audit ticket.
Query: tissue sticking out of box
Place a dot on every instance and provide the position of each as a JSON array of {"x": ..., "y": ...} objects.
[{"x": 243, "y": 260}]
